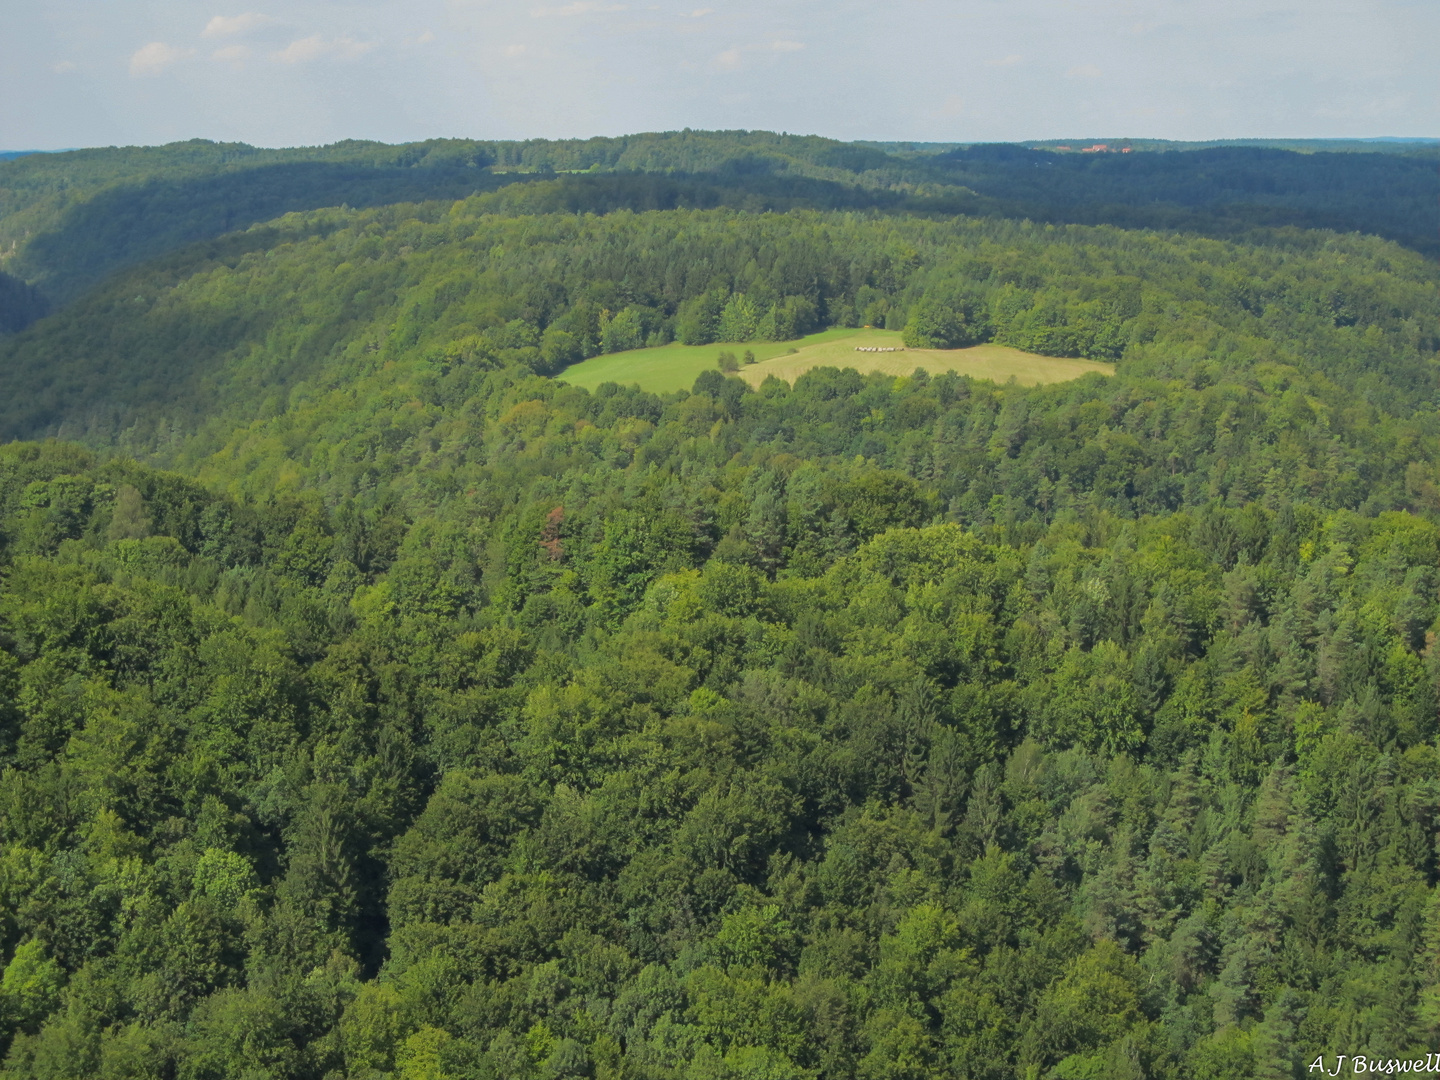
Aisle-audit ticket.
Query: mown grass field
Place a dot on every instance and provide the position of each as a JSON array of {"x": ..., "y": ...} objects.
[
  {"x": 997, "y": 362},
  {"x": 675, "y": 367}
]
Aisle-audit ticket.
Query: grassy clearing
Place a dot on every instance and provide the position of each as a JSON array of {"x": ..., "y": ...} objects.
[
  {"x": 999, "y": 363},
  {"x": 674, "y": 367}
]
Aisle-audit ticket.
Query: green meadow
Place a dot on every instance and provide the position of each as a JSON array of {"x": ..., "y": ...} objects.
[{"x": 674, "y": 367}]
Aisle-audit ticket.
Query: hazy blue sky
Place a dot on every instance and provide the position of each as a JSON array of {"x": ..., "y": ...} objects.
[{"x": 96, "y": 72}]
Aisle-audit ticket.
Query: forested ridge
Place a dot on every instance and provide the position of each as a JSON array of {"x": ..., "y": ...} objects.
[
  {"x": 1216, "y": 190},
  {"x": 375, "y": 704},
  {"x": 271, "y": 320},
  {"x": 68, "y": 220}
]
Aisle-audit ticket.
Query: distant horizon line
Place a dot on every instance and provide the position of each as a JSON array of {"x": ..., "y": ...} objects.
[{"x": 8, "y": 155}]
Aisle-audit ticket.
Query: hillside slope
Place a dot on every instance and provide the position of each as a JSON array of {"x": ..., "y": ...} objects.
[
  {"x": 1217, "y": 191},
  {"x": 67, "y": 220},
  {"x": 435, "y": 718},
  {"x": 537, "y": 733},
  {"x": 224, "y": 333}
]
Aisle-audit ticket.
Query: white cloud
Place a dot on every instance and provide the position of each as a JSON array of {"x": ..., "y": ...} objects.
[
  {"x": 156, "y": 57},
  {"x": 699, "y": 13},
  {"x": 1005, "y": 61},
  {"x": 231, "y": 54},
  {"x": 315, "y": 47},
  {"x": 514, "y": 50},
  {"x": 302, "y": 49},
  {"x": 426, "y": 38},
  {"x": 350, "y": 49},
  {"x": 1085, "y": 71},
  {"x": 229, "y": 25},
  {"x": 729, "y": 60},
  {"x": 63, "y": 66},
  {"x": 786, "y": 46}
]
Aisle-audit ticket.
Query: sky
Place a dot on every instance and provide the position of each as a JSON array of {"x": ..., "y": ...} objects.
[{"x": 112, "y": 72}]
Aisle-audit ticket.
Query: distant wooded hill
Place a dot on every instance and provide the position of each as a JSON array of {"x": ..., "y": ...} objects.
[
  {"x": 67, "y": 220},
  {"x": 229, "y": 330},
  {"x": 1381, "y": 145},
  {"x": 1213, "y": 190}
]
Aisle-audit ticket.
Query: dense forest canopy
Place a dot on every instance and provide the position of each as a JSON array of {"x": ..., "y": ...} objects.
[
  {"x": 375, "y": 704},
  {"x": 20, "y": 304},
  {"x": 1215, "y": 189},
  {"x": 1412, "y": 147},
  {"x": 67, "y": 220},
  {"x": 440, "y": 290}
]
